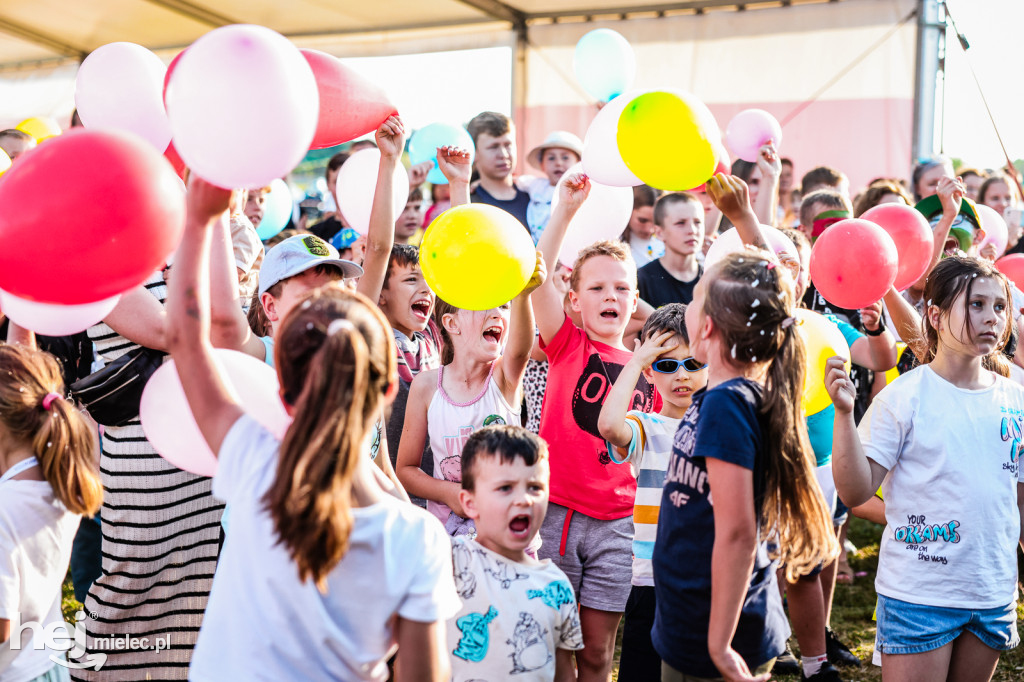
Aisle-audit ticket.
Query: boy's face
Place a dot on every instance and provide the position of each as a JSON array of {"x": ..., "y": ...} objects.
[
  {"x": 410, "y": 220},
  {"x": 292, "y": 291},
  {"x": 677, "y": 388},
  {"x": 606, "y": 297},
  {"x": 816, "y": 209},
  {"x": 406, "y": 300},
  {"x": 554, "y": 162},
  {"x": 254, "y": 206},
  {"x": 508, "y": 503},
  {"x": 683, "y": 228},
  {"x": 641, "y": 222},
  {"x": 495, "y": 156}
]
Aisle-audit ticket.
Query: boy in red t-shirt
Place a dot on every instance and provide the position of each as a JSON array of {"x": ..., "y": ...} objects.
[{"x": 588, "y": 531}]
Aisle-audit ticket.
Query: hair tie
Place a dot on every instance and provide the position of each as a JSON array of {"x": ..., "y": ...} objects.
[
  {"x": 788, "y": 322},
  {"x": 49, "y": 398},
  {"x": 770, "y": 265}
]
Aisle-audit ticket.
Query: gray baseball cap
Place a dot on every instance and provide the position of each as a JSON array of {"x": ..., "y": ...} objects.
[{"x": 297, "y": 254}]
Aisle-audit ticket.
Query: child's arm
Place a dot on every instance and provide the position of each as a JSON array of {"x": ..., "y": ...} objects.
[
  {"x": 767, "y": 206},
  {"x": 19, "y": 336},
  {"x": 387, "y": 477},
  {"x": 874, "y": 509},
  {"x": 410, "y": 448},
  {"x": 951, "y": 193},
  {"x": 512, "y": 364},
  {"x": 380, "y": 236},
  {"x": 547, "y": 301},
  {"x": 188, "y": 316},
  {"x": 612, "y": 421},
  {"x": 731, "y": 197},
  {"x": 455, "y": 165},
  {"x": 877, "y": 353},
  {"x": 565, "y": 671},
  {"x": 422, "y": 656},
  {"x": 904, "y": 316},
  {"x": 857, "y": 477},
  {"x": 732, "y": 560}
]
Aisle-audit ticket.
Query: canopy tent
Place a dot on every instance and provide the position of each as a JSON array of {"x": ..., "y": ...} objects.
[{"x": 819, "y": 66}]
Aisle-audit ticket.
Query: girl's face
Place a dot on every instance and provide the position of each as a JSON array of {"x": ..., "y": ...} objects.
[
  {"x": 554, "y": 162},
  {"x": 998, "y": 197},
  {"x": 928, "y": 183},
  {"x": 695, "y": 320},
  {"x": 754, "y": 184},
  {"x": 977, "y": 328},
  {"x": 479, "y": 335},
  {"x": 641, "y": 222}
]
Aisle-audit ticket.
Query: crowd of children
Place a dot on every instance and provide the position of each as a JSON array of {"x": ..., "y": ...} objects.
[{"x": 626, "y": 437}]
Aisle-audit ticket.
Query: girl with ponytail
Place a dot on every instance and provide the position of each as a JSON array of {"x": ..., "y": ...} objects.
[
  {"x": 344, "y": 570},
  {"x": 741, "y": 471},
  {"x": 49, "y": 478}
]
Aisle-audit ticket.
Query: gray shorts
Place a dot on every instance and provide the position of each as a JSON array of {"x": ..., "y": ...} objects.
[{"x": 596, "y": 555}]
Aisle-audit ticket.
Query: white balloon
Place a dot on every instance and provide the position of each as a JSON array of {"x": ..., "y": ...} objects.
[
  {"x": 357, "y": 180},
  {"x": 603, "y": 216},
  {"x": 51, "y": 319},
  {"x": 601, "y": 158},
  {"x": 730, "y": 242},
  {"x": 994, "y": 227}
]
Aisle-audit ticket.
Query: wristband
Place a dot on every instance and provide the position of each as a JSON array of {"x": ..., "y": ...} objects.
[{"x": 878, "y": 332}]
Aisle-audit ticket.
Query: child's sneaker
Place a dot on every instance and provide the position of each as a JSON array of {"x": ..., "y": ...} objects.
[
  {"x": 787, "y": 663},
  {"x": 838, "y": 653},
  {"x": 826, "y": 674}
]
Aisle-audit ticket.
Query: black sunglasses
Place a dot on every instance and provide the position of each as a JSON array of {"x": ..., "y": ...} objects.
[{"x": 669, "y": 366}]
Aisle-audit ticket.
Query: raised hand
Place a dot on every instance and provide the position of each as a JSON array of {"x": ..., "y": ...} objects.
[{"x": 390, "y": 138}]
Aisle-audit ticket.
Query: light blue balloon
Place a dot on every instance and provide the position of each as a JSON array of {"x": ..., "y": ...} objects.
[
  {"x": 604, "y": 64},
  {"x": 424, "y": 143},
  {"x": 277, "y": 209}
]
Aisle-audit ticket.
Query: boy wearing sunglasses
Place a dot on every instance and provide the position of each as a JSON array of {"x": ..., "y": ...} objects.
[{"x": 644, "y": 441}]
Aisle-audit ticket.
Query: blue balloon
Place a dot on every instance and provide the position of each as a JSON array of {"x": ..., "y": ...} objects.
[
  {"x": 604, "y": 64},
  {"x": 277, "y": 209},
  {"x": 424, "y": 143}
]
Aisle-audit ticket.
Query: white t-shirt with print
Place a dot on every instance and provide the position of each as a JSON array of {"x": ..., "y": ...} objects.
[
  {"x": 513, "y": 616},
  {"x": 263, "y": 623},
  {"x": 953, "y": 456}
]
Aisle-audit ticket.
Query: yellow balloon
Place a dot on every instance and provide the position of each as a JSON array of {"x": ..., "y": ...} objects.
[
  {"x": 822, "y": 340},
  {"x": 5, "y": 162},
  {"x": 668, "y": 140},
  {"x": 477, "y": 257},
  {"x": 40, "y": 127},
  {"x": 893, "y": 373}
]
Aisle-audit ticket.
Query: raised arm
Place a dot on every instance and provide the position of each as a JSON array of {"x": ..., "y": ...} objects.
[
  {"x": 875, "y": 352},
  {"x": 766, "y": 208},
  {"x": 19, "y": 336},
  {"x": 904, "y": 316},
  {"x": 188, "y": 315},
  {"x": 455, "y": 164},
  {"x": 732, "y": 198},
  {"x": 380, "y": 236},
  {"x": 547, "y": 300},
  {"x": 512, "y": 365},
  {"x": 951, "y": 193},
  {"x": 611, "y": 422},
  {"x": 857, "y": 477}
]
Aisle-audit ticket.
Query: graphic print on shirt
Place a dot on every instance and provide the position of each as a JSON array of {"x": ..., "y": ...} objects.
[
  {"x": 554, "y": 595},
  {"x": 918, "y": 532},
  {"x": 529, "y": 650},
  {"x": 503, "y": 572},
  {"x": 475, "y": 638},
  {"x": 462, "y": 560},
  {"x": 451, "y": 465},
  {"x": 682, "y": 469},
  {"x": 1010, "y": 432},
  {"x": 588, "y": 397}
]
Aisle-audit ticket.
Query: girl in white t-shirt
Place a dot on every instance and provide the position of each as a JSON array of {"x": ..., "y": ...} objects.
[
  {"x": 324, "y": 573},
  {"x": 944, "y": 442},
  {"x": 49, "y": 477}
]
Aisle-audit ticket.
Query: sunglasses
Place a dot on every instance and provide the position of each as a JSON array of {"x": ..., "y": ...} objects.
[{"x": 669, "y": 366}]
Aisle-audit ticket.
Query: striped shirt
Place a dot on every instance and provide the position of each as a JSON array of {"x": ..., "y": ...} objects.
[{"x": 648, "y": 453}]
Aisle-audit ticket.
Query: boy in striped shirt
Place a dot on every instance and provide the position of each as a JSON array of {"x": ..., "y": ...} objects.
[{"x": 644, "y": 441}]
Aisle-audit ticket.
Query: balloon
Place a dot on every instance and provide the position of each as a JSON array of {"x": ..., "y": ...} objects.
[
  {"x": 172, "y": 430},
  {"x": 604, "y": 64},
  {"x": 167, "y": 74},
  {"x": 1012, "y": 266},
  {"x": 119, "y": 87},
  {"x": 171, "y": 154},
  {"x": 39, "y": 127},
  {"x": 853, "y": 263},
  {"x": 86, "y": 216},
  {"x": 477, "y": 256},
  {"x": 424, "y": 143},
  {"x": 724, "y": 165},
  {"x": 730, "y": 242},
  {"x": 822, "y": 340},
  {"x": 49, "y": 319},
  {"x": 277, "y": 209},
  {"x": 750, "y": 130},
  {"x": 601, "y": 158},
  {"x": 668, "y": 140},
  {"x": 5, "y": 162},
  {"x": 350, "y": 105},
  {"x": 224, "y": 139},
  {"x": 602, "y": 216},
  {"x": 913, "y": 238},
  {"x": 994, "y": 227},
  {"x": 894, "y": 373},
  {"x": 357, "y": 180}
]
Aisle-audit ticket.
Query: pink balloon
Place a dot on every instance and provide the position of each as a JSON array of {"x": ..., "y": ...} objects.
[
  {"x": 51, "y": 319},
  {"x": 603, "y": 216},
  {"x": 357, "y": 180},
  {"x": 243, "y": 106},
  {"x": 730, "y": 242},
  {"x": 601, "y": 158},
  {"x": 913, "y": 238},
  {"x": 994, "y": 227},
  {"x": 853, "y": 263},
  {"x": 167, "y": 418},
  {"x": 750, "y": 130},
  {"x": 120, "y": 87}
]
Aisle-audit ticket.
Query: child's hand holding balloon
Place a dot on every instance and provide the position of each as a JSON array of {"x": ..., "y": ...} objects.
[
  {"x": 573, "y": 190},
  {"x": 205, "y": 202},
  {"x": 731, "y": 197},
  {"x": 540, "y": 273},
  {"x": 839, "y": 385},
  {"x": 390, "y": 138},
  {"x": 768, "y": 160},
  {"x": 871, "y": 316}
]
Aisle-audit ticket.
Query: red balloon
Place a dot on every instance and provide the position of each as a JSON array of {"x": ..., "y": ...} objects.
[
  {"x": 912, "y": 235},
  {"x": 1013, "y": 267},
  {"x": 853, "y": 263},
  {"x": 350, "y": 105},
  {"x": 86, "y": 216},
  {"x": 170, "y": 70},
  {"x": 171, "y": 154}
]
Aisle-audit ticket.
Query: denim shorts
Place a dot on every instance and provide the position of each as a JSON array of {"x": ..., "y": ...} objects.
[{"x": 905, "y": 628}]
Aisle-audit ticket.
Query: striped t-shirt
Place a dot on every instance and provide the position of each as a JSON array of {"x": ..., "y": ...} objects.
[{"x": 648, "y": 454}]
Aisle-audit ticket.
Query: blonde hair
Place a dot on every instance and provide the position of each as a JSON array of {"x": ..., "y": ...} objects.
[
  {"x": 613, "y": 249},
  {"x": 59, "y": 436},
  {"x": 336, "y": 359}
]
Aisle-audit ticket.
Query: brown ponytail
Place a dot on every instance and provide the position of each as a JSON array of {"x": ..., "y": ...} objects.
[
  {"x": 750, "y": 301},
  {"x": 59, "y": 436},
  {"x": 336, "y": 359}
]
